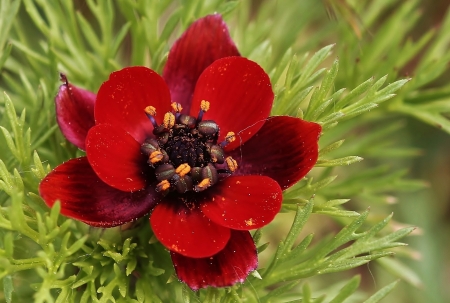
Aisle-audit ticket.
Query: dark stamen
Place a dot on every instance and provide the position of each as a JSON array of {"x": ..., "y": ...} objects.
[
  {"x": 185, "y": 151},
  {"x": 230, "y": 137},
  {"x": 150, "y": 111},
  {"x": 204, "y": 107}
]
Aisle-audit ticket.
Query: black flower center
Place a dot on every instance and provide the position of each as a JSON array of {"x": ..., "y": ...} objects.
[
  {"x": 185, "y": 154},
  {"x": 184, "y": 145}
]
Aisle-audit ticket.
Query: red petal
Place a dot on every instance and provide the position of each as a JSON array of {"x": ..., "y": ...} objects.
[
  {"x": 285, "y": 149},
  {"x": 205, "y": 41},
  {"x": 74, "y": 112},
  {"x": 85, "y": 197},
  {"x": 116, "y": 157},
  {"x": 122, "y": 99},
  {"x": 245, "y": 202},
  {"x": 187, "y": 231},
  {"x": 240, "y": 95},
  {"x": 228, "y": 267}
]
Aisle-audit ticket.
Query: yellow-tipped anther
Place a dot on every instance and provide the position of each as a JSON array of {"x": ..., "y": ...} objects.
[
  {"x": 231, "y": 164},
  {"x": 230, "y": 137},
  {"x": 155, "y": 157},
  {"x": 176, "y": 107},
  {"x": 204, "y": 105},
  {"x": 183, "y": 169},
  {"x": 204, "y": 184},
  {"x": 150, "y": 110},
  {"x": 169, "y": 120},
  {"x": 163, "y": 185}
]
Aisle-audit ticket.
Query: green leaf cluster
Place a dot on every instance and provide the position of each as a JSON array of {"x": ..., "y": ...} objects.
[
  {"x": 293, "y": 262},
  {"x": 48, "y": 258},
  {"x": 424, "y": 58}
]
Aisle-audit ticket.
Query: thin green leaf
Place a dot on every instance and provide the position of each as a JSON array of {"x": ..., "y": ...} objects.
[
  {"x": 347, "y": 290},
  {"x": 382, "y": 293},
  {"x": 338, "y": 162}
]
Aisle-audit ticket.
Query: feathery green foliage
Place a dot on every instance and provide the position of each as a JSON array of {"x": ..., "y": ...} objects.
[{"x": 48, "y": 258}]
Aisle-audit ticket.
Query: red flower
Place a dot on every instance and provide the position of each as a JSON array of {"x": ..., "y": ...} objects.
[{"x": 209, "y": 172}]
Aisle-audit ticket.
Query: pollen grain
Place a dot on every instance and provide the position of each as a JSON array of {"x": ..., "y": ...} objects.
[
  {"x": 183, "y": 169},
  {"x": 230, "y": 137},
  {"x": 231, "y": 164},
  {"x": 155, "y": 157},
  {"x": 150, "y": 110},
  {"x": 169, "y": 120},
  {"x": 204, "y": 184},
  {"x": 204, "y": 105},
  {"x": 176, "y": 107},
  {"x": 163, "y": 186}
]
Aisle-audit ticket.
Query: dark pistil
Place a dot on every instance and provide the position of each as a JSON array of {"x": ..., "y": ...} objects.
[{"x": 185, "y": 151}]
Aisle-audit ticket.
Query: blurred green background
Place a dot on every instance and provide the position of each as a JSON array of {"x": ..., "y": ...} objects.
[
  {"x": 345, "y": 23},
  {"x": 428, "y": 209},
  {"x": 372, "y": 38}
]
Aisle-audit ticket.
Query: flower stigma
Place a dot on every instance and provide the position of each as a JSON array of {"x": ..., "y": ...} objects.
[{"x": 185, "y": 153}]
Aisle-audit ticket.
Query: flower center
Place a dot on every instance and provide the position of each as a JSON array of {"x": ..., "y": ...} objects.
[{"x": 185, "y": 153}]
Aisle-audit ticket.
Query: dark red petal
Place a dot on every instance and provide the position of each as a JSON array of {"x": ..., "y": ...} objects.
[
  {"x": 74, "y": 112},
  {"x": 228, "y": 267},
  {"x": 116, "y": 158},
  {"x": 187, "y": 231},
  {"x": 243, "y": 202},
  {"x": 122, "y": 99},
  {"x": 205, "y": 41},
  {"x": 285, "y": 149},
  {"x": 85, "y": 197},
  {"x": 240, "y": 95}
]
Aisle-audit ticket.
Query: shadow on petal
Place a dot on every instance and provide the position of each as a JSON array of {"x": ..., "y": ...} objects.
[
  {"x": 205, "y": 41},
  {"x": 240, "y": 96},
  {"x": 116, "y": 158},
  {"x": 83, "y": 196},
  {"x": 284, "y": 149},
  {"x": 243, "y": 202},
  {"x": 187, "y": 231},
  {"x": 121, "y": 100},
  {"x": 228, "y": 267},
  {"x": 74, "y": 112}
]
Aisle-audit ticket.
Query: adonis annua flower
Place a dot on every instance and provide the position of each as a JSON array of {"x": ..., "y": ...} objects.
[{"x": 195, "y": 148}]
